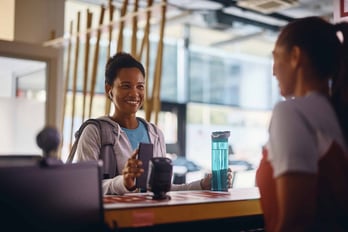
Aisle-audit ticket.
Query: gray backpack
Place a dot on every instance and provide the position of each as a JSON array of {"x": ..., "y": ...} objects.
[{"x": 107, "y": 153}]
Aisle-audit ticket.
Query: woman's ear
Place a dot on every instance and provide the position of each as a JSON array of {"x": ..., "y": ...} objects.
[
  {"x": 296, "y": 56},
  {"x": 108, "y": 91}
]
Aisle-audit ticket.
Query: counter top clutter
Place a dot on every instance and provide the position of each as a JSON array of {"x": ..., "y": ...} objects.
[
  {"x": 141, "y": 210},
  {"x": 178, "y": 198}
]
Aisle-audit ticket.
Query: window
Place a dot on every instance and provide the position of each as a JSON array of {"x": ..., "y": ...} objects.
[
  {"x": 248, "y": 134},
  {"x": 26, "y": 106}
]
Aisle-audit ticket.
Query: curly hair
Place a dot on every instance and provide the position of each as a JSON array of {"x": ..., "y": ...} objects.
[{"x": 117, "y": 62}]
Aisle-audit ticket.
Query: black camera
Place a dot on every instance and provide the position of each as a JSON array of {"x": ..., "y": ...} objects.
[{"x": 159, "y": 178}]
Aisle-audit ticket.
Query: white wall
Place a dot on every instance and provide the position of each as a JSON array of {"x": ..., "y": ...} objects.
[
  {"x": 20, "y": 121},
  {"x": 6, "y": 83}
]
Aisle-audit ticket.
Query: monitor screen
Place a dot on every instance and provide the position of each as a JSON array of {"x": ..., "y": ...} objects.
[
  {"x": 66, "y": 197},
  {"x": 19, "y": 159}
]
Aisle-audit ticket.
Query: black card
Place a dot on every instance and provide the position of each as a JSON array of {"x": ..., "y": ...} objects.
[{"x": 145, "y": 154}]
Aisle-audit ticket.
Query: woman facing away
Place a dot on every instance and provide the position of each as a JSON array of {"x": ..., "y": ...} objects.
[
  {"x": 125, "y": 87},
  {"x": 308, "y": 131}
]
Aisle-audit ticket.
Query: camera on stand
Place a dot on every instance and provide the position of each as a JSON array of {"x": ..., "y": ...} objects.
[{"x": 160, "y": 177}]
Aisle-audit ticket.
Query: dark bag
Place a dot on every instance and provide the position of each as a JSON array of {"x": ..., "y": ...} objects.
[{"x": 107, "y": 153}]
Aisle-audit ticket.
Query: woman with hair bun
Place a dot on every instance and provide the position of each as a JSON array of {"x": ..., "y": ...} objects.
[{"x": 302, "y": 176}]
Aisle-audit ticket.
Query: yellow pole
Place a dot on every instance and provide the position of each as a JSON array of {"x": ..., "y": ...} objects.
[
  {"x": 111, "y": 15},
  {"x": 134, "y": 29},
  {"x": 145, "y": 43},
  {"x": 86, "y": 62},
  {"x": 75, "y": 79},
  {"x": 67, "y": 78},
  {"x": 158, "y": 70},
  {"x": 95, "y": 61},
  {"x": 121, "y": 26},
  {"x": 146, "y": 30}
]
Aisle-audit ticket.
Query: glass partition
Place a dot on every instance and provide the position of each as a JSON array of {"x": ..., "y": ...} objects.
[{"x": 22, "y": 102}]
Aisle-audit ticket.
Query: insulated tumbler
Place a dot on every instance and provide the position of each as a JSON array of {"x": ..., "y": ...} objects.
[{"x": 219, "y": 160}]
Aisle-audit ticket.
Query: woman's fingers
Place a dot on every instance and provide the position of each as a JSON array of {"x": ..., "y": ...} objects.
[
  {"x": 229, "y": 178},
  {"x": 134, "y": 167}
]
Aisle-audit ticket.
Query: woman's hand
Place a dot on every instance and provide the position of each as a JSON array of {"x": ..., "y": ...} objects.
[
  {"x": 206, "y": 181},
  {"x": 132, "y": 169},
  {"x": 229, "y": 178}
]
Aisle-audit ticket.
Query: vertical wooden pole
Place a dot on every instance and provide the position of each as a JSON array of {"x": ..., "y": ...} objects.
[
  {"x": 67, "y": 77},
  {"x": 145, "y": 40},
  {"x": 111, "y": 15},
  {"x": 86, "y": 62},
  {"x": 158, "y": 69},
  {"x": 134, "y": 29},
  {"x": 75, "y": 78},
  {"x": 146, "y": 43},
  {"x": 95, "y": 60},
  {"x": 148, "y": 106},
  {"x": 121, "y": 26}
]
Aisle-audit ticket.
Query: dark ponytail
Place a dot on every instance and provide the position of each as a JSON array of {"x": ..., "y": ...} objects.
[{"x": 340, "y": 81}]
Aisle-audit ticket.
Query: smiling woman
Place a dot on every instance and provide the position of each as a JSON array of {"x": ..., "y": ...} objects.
[{"x": 125, "y": 87}]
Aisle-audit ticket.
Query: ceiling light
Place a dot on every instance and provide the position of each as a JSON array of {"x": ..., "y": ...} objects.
[
  {"x": 196, "y": 5},
  {"x": 267, "y": 6},
  {"x": 255, "y": 16}
]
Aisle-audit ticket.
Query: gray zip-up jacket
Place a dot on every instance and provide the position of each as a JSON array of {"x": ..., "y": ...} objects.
[{"x": 89, "y": 146}]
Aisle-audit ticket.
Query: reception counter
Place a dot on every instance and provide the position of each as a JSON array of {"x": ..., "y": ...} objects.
[{"x": 238, "y": 207}]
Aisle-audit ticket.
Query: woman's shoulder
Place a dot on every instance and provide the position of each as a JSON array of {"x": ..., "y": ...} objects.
[
  {"x": 307, "y": 105},
  {"x": 285, "y": 107},
  {"x": 289, "y": 113},
  {"x": 109, "y": 121},
  {"x": 147, "y": 123},
  {"x": 151, "y": 127}
]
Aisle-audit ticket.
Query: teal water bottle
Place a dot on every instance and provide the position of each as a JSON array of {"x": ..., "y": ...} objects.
[{"x": 219, "y": 160}]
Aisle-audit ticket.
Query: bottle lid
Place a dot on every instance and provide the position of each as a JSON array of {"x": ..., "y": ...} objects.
[{"x": 220, "y": 134}]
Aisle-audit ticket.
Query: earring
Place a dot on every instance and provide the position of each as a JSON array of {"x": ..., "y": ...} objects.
[{"x": 110, "y": 95}]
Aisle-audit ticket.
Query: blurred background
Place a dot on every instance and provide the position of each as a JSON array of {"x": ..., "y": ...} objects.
[{"x": 209, "y": 61}]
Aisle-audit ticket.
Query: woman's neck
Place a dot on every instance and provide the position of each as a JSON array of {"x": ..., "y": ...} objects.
[
  {"x": 305, "y": 85},
  {"x": 126, "y": 121}
]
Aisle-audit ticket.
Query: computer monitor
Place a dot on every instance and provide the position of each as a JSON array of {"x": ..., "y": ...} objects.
[
  {"x": 19, "y": 159},
  {"x": 65, "y": 197}
]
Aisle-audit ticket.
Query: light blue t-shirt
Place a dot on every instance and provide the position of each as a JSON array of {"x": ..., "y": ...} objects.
[{"x": 137, "y": 135}]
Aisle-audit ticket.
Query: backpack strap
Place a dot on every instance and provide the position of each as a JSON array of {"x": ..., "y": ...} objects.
[
  {"x": 77, "y": 137},
  {"x": 107, "y": 141},
  {"x": 107, "y": 153}
]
